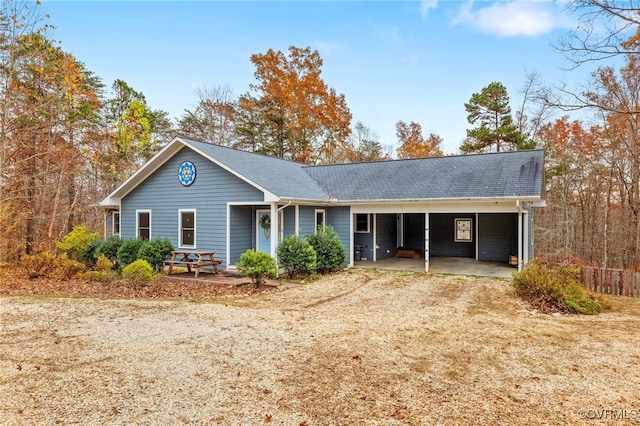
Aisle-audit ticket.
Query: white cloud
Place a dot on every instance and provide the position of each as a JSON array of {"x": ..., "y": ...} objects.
[
  {"x": 512, "y": 18},
  {"x": 426, "y": 5}
]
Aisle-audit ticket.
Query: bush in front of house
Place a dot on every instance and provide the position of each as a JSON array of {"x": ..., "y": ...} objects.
[
  {"x": 155, "y": 251},
  {"x": 76, "y": 242},
  {"x": 128, "y": 251},
  {"x": 296, "y": 256},
  {"x": 138, "y": 270},
  {"x": 257, "y": 265},
  {"x": 556, "y": 289},
  {"x": 109, "y": 249},
  {"x": 330, "y": 253}
]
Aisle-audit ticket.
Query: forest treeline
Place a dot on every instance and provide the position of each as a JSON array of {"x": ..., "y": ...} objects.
[{"x": 67, "y": 139}]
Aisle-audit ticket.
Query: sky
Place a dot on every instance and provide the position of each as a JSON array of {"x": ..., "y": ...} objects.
[{"x": 393, "y": 60}]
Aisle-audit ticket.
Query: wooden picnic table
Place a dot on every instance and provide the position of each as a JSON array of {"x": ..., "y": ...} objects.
[{"x": 193, "y": 259}]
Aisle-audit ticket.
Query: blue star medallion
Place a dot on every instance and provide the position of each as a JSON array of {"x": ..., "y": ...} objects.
[{"x": 187, "y": 173}]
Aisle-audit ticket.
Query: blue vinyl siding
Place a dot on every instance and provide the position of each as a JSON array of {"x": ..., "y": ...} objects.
[
  {"x": 338, "y": 218},
  {"x": 289, "y": 221},
  {"x": 163, "y": 195},
  {"x": 242, "y": 223},
  {"x": 307, "y": 220},
  {"x": 497, "y": 236}
]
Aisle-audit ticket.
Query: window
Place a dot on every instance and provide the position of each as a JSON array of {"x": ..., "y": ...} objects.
[
  {"x": 143, "y": 224},
  {"x": 187, "y": 228},
  {"x": 362, "y": 223},
  {"x": 463, "y": 231},
  {"x": 319, "y": 218},
  {"x": 115, "y": 228}
]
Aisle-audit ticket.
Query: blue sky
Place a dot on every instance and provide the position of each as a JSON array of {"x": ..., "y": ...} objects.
[{"x": 393, "y": 60}]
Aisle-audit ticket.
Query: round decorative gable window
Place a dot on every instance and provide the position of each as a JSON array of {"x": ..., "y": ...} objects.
[{"x": 187, "y": 173}]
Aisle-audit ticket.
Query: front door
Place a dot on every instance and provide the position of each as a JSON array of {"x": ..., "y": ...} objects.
[{"x": 263, "y": 231}]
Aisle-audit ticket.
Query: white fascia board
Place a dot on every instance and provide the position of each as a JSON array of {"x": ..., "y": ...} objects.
[{"x": 458, "y": 206}]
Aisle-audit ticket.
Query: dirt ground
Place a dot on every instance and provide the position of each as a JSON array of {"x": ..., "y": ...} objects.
[{"x": 361, "y": 347}]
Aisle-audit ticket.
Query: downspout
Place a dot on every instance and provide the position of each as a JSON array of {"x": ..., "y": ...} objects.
[{"x": 284, "y": 207}]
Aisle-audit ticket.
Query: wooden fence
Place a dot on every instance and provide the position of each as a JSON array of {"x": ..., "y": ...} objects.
[{"x": 618, "y": 282}]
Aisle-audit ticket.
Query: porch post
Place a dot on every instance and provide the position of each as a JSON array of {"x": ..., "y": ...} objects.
[
  {"x": 375, "y": 235},
  {"x": 525, "y": 241},
  {"x": 426, "y": 242},
  {"x": 228, "y": 237},
  {"x": 519, "y": 235},
  {"x": 274, "y": 230}
]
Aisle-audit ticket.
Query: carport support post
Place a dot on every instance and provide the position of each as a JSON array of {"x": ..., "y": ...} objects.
[
  {"x": 274, "y": 230},
  {"x": 519, "y": 235},
  {"x": 426, "y": 242}
]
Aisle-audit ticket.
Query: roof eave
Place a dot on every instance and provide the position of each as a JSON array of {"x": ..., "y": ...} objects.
[{"x": 444, "y": 200}]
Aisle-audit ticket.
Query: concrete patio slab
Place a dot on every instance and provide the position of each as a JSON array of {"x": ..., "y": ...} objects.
[{"x": 443, "y": 265}]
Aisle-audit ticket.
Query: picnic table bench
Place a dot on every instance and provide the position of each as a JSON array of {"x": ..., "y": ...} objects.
[{"x": 193, "y": 259}]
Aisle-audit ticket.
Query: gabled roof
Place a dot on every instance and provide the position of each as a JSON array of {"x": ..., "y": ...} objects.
[
  {"x": 516, "y": 175},
  {"x": 283, "y": 178}
]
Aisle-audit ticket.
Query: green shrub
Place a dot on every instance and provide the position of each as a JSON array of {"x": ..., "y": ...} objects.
[
  {"x": 109, "y": 248},
  {"x": 256, "y": 265},
  {"x": 138, "y": 270},
  {"x": 330, "y": 253},
  {"x": 556, "y": 289},
  {"x": 90, "y": 253},
  {"x": 155, "y": 251},
  {"x": 128, "y": 251},
  {"x": 76, "y": 241},
  {"x": 296, "y": 256}
]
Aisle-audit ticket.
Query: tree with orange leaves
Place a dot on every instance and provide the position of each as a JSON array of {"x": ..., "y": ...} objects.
[
  {"x": 302, "y": 118},
  {"x": 413, "y": 144}
]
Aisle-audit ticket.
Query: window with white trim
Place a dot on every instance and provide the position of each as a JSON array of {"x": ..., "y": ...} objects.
[
  {"x": 115, "y": 227},
  {"x": 320, "y": 215},
  {"x": 362, "y": 223},
  {"x": 187, "y": 228},
  {"x": 143, "y": 224}
]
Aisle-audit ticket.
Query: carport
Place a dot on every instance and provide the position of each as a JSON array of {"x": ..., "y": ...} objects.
[{"x": 491, "y": 242}]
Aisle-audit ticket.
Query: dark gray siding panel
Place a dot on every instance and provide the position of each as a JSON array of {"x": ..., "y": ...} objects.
[
  {"x": 414, "y": 231},
  {"x": 366, "y": 242},
  {"x": 242, "y": 223},
  {"x": 386, "y": 235},
  {"x": 338, "y": 218},
  {"x": 442, "y": 235},
  {"x": 163, "y": 194},
  {"x": 497, "y": 236}
]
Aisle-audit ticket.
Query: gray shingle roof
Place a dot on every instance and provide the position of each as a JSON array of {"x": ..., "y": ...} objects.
[{"x": 495, "y": 175}]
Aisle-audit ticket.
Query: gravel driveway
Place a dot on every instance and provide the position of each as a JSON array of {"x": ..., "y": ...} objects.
[{"x": 361, "y": 347}]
